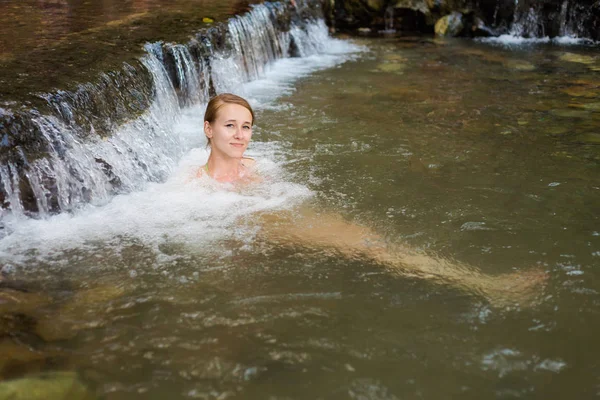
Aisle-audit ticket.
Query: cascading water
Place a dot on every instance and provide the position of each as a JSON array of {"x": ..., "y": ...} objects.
[
  {"x": 80, "y": 153},
  {"x": 527, "y": 22}
]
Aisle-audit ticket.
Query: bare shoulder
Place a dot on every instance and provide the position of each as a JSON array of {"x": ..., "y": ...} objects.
[
  {"x": 248, "y": 162},
  {"x": 203, "y": 170}
]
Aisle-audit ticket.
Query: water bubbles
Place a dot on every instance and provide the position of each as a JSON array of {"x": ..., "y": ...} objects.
[
  {"x": 475, "y": 226},
  {"x": 507, "y": 361}
]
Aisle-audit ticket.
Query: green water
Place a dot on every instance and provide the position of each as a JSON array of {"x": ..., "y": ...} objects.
[{"x": 481, "y": 154}]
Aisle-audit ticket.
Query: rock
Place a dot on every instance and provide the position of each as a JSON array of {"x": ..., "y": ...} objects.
[
  {"x": 577, "y": 58},
  {"x": 395, "y": 68},
  {"x": 18, "y": 358},
  {"x": 450, "y": 25},
  {"x": 557, "y": 130},
  {"x": 376, "y": 5},
  {"x": 580, "y": 91},
  {"x": 571, "y": 113},
  {"x": 591, "y": 138},
  {"x": 364, "y": 31},
  {"x": 519, "y": 65},
  {"x": 83, "y": 311},
  {"x": 19, "y": 301},
  {"x": 480, "y": 29},
  {"x": 48, "y": 386},
  {"x": 595, "y": 107},
  {"x": 414, "y": 5}
]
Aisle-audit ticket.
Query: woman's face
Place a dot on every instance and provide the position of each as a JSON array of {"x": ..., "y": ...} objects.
[{"x": 231, "y": 131}]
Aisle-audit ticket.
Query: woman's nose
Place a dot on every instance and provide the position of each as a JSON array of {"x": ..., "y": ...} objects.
[{"x": 239, "y": 133}]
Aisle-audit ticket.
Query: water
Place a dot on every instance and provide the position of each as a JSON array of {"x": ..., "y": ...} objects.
[{"x": 478, "y": 153}]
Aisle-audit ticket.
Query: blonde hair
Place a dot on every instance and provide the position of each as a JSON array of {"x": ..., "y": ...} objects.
[{"x": 217, "y": 102}]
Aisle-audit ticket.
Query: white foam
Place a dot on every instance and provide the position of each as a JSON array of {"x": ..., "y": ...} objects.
[
  {"x": 513, "y": 40},
  {"x": 184, "y": 210}
]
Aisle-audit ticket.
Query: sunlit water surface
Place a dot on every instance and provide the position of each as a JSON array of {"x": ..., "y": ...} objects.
[{"x": 485, "y": 154}]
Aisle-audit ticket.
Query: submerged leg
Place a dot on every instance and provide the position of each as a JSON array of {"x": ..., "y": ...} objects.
[{"x": 308, "y": 228}]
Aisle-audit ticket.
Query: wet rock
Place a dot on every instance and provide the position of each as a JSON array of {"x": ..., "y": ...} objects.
[
  {"x": 519, "y": 65},
  {"x": 571, "y": 113},
  {"x": 595, "y": 107},
  {"x": 411, "y": 15},
  {"x": 376, "y": 5},
  {"x": 590, "y": 138},
  {"x": 421, "y": 6},
  {"x": 581, "y": 91},
  {"x": 16, "y": 325},
  {"x": 82, "y": 311},
  {"x": 480, "y": 29},
  {"x": 577, "y": 58},
  {"x": 557, "y": 130},
  {"x": 48, "y": 386},
  {"x": 18, "y": 359},
  {"x": 449, "y": 25},
  {"x": 20, "y": 301},
  {"x": 395, "y": 68}
]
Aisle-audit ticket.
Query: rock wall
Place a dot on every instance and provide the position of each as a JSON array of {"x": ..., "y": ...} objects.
[{"x": 528, "y": 18}]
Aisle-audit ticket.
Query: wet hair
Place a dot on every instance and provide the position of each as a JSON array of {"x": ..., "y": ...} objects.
[{"x": 217, "y": 102}]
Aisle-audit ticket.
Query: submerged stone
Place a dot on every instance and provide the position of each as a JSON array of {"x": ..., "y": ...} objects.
[
  {"x": 580, "y": 91},
  {"x": 48, "y": 386},
  {"x": 18, "y": 301},
  {"x": 592, "y": 106},
  {"x": 396, "y": 68},
  {"x": 557, "y": 130},
  {"x": 81, "y": 312},
  {"x": 591, "y": 138},
  {"x": 577, "y": 58},
  {"x": 519, "y": 65},
  {"x": 449, "y": 25},
  {"x": 570, "y": 113},
  {"x": 595, "y": 107},
  {"x": 17, "y": 358}
]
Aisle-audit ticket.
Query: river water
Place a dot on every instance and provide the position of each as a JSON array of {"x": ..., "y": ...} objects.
[{"x": 480, "y": 153}]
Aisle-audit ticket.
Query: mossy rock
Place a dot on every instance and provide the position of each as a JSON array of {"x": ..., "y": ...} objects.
[
  {"x": 376, "y": 5},
  {"x": 421, "y": 6},
  {"x": 49, "y": 386},
  {"x": 577, "y": 58},
  {"x": 449, "y": 25}
]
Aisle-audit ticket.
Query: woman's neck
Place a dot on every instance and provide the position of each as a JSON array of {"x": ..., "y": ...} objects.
[{"x": 225, "y": 169}]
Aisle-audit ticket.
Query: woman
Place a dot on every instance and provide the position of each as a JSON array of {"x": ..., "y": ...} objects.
[
  {"x": 228, "y": 124},
  {"x": 228, "y": 127}
]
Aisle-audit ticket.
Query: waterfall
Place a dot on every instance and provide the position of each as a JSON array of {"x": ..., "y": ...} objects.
[
  {"x": 535, "y": 20},
  {"x": 527, "y": 22},
  {"x": 115, "y": 135}
]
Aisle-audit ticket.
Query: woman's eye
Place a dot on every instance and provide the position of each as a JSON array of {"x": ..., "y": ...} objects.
[
  {"x": 246, "y": 127},
  {"x": 229, "y": 125}
]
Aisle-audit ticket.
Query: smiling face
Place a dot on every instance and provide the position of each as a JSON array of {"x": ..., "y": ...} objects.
[{"x": 231, "y": 130}]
